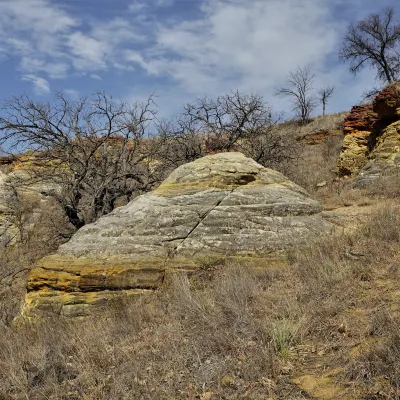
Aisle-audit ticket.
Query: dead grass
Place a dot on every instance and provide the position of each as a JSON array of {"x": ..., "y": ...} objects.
[
  {"x": 231, "y": 333},
  {"x": 386, "y": 187},
  {"x": 329, "y": 123}
]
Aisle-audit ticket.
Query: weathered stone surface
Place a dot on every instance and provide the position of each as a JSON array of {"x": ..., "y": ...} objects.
[
  {"x": 387, "y": 102},
  {"x": 371, "y": 145},
  {"x": 17, "y": 186},
  {"x": 221, "y": 204},
  {"x": 358, "y": 128},
  {"x": 384, "y": 159}
]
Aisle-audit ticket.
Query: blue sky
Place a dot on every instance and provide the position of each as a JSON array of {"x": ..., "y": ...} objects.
[{"x": 179, "y": 49}]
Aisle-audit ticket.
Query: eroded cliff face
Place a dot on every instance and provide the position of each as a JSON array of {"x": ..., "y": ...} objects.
[
  {"x": 371, "y": 146},
  {"x": 358, "y": 128},
  {"x": 223, "y": 204}
]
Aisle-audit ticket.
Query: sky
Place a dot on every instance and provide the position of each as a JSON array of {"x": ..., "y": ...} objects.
[{"x": 178, "y": 49}]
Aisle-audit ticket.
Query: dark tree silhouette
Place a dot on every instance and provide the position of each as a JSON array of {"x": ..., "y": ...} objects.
[
  {"x": 374, "y": 42},
  {"x": 88, "y": 152},
  {"x": 324, "y": 94},
  {"x": 227, "y": 119}
]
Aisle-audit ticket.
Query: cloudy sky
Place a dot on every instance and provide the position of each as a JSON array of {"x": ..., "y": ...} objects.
[{"x": 179, "y": 49}]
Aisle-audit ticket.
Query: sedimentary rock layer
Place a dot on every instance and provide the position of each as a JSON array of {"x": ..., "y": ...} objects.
[{"x": 224, "y": 204}]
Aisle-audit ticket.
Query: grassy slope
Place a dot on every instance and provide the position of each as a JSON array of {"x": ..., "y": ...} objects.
[{"x": 325, "y": 326}]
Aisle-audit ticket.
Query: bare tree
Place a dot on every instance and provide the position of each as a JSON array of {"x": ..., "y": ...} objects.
[
  {"x": 300, "y": 90},
  {"x": 178, "y": 142},
  {"x": 227, "y": 119},
  {"x": 375, "y": 42},
  {"x": 271, "y": 148},
  {"x": 88, "y": 152},
  {"x": 324, "y": 94}
]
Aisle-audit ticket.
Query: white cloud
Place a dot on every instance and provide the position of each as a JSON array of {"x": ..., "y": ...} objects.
[
  {"x": 223, "y": 45},
  {"x": 252, "y": 46},
  {"x": 246, "y": 44},
  {"x": 46, "y": 39},
  {"x": 54, "y": 70},
  {"x": 137, "y": 6},
  {"x": 87, "y": 52},
  {"x": 40, "y": 85}
]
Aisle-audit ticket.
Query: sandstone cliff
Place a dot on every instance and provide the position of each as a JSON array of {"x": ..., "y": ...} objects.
[
  {"x": 371, "y": 146},
  {"x": 223, "y": 204}
]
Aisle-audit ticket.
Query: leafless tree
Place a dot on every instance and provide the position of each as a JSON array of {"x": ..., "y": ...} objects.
[
  {"x": 227, "y": 119},
  {"x": 177, "y": 142},
  {"x": 324, "y": 94},
  {"x": 299, "y": 89},
  {"x": 87, "y": 152},
  {"x": 375, "y": 42},
  {"x": 271, "y": 148}
]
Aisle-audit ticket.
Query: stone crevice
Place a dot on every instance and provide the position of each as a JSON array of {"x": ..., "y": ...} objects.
[{"x": 203, "y": 217}]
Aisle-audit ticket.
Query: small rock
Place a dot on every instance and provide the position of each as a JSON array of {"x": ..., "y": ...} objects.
[
  {"x": 342, "y": 328},
  {"x": 227, "y": 380}
]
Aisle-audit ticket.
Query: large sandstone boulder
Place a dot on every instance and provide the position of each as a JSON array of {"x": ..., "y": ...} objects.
[{"x": 223, "y": 204}]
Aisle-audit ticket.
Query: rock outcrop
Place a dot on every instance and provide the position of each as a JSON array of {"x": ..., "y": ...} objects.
[
  {"x": 384, "y": 159},
  {"x": 371, "y": 146},
  {"x": 7, "y": 198},
  {"x": 387, "y": 102},
  {"x": 222, "y": 204},
  {"x": 17, "y": 187},
  {"x": 358, "y": 127}
]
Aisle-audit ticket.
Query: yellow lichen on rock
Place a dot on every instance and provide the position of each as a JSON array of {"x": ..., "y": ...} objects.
[{"x": 354, "y": 153}]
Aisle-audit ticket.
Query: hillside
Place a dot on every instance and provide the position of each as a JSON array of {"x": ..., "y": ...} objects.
[{"x": 319, "y": 322}]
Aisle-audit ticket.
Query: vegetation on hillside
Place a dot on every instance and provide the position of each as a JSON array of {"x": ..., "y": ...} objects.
[{"x": 324, "y": 324}]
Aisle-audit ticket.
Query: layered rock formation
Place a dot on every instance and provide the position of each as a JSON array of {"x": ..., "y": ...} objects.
[
  {"x": 384, "y": 158},
  {"x": 358, "y": 127},
  {"x": 223, "y": 204},
  {"x": 371, "y": 147}
]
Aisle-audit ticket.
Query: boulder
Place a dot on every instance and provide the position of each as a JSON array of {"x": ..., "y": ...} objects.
[{"x": 220, "y": 205}]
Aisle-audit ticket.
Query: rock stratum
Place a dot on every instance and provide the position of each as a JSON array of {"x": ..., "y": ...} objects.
[
  {"x": 222, "y": 204},
  {"x": 371, "y": 146}
]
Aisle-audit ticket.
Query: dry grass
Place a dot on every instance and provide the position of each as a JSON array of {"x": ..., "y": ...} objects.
[
  {"x": 328, "y": 123},
  {"x": 233, "y": 331},
  {"x": 386, "y": 187}
]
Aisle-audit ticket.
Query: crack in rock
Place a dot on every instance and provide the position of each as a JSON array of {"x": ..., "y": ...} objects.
[{"x": 202, "y": 218}]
